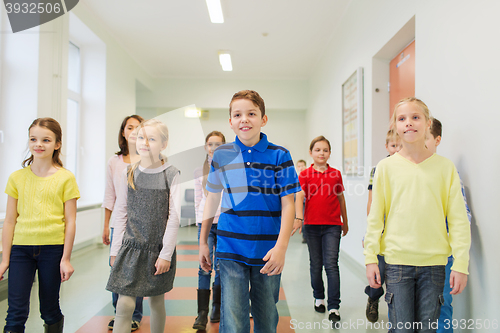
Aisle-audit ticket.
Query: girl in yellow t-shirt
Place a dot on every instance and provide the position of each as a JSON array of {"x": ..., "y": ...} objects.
[{"x": 39, "y": 228}]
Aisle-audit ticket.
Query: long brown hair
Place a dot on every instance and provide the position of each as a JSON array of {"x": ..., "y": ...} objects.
[
  {"x": 206, "y": 166},
  {"x": 53, "y": 126},
  {"x": 122, "y": 141}
]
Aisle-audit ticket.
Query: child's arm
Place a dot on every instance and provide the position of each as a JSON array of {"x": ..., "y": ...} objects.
[
  {"x": 369, "y": 204},
  {"x": 69, "y": 238},
  {"x": 198, "y": 195},
  {"x": 275, "y": 258},
  {"x": 9, "y": 225},
  {"x": 170, "y": 236},
  {"x": 109, "y": 200},
  {"x": 343, "y": 212},
  {"x": 299, "y": 212},
  {"x": 458, "y": 281},
  {"x": 120, "y": 222},
  {"x": 211, "y": 205}
]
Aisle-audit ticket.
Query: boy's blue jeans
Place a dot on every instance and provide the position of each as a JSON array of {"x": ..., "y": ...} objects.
[
  {"x": 25, "y": 260},
  {"x": 236, "y": 278},
  {"x": 414, "y": 296},
  {"x": 204, "y": 277},
  {"x": 446, "y": 316},
  {"x": 137, "y": 316},
  {"x": 323, "y": 242}
]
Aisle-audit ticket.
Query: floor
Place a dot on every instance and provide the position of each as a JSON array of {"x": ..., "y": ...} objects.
[{"x": 87, "y": 305}]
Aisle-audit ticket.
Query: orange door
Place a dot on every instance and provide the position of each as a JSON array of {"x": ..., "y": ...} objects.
[{"x": 402, "y": 76}]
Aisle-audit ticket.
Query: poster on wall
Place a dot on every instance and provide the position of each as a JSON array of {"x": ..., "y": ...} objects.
[{"x": 352, "y": 121}]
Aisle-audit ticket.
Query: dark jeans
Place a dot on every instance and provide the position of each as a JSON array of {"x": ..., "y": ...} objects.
[
  {"x": 204, "y": 277},
  {"x": 323, "y": 242},
  {"x": 376, "y": 293},
  {"x": 414, "y": 296},
  {"x": 236, "y": 277},
  {"x": 25, "y": 260},
  {"x": 137, "y": 315}
]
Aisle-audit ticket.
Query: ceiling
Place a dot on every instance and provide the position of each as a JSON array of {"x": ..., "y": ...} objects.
[{"x": 175, "y": 38}]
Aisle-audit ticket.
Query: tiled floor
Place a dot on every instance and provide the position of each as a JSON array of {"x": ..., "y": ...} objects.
[{"x": 87, "y": 305}]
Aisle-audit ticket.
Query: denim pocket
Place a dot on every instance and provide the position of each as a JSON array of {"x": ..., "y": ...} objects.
[
  {"x": 389, "y": 297},
  {"x": 438, "y": 275},
  {"x": 393, "y": 273}
]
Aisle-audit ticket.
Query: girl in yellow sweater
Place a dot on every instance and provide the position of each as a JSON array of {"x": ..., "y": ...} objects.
[
  {"x": 414, "y": 191},
  {"x": 39, "y": 228}
]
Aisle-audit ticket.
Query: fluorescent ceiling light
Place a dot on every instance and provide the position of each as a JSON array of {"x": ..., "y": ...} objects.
[
  {"x": 225, "y": 62},
  {"x": 192, "y": 113},
  {"x": 215, "y": 11}
]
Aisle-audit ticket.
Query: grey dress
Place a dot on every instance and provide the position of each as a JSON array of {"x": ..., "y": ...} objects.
[{"x": 132, "y": 273}]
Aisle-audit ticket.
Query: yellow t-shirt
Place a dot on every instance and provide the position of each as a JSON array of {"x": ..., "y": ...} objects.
[
  {"x": 416, "y": 200},
  {"x": 40, "y": 205}
]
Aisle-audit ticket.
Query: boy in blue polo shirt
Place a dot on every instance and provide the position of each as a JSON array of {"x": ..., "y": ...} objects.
[{"x": 257, "y": 211}]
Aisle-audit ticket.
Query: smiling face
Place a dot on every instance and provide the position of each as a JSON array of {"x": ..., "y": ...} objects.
[
  {"x": 129, "y": 132},
  {"x": 320, "y": 153},
  {"x": 149, "y": 143},
  {"x": 42, "y": 142},
  {"x": 411, "y": 123},
  {"x": 246, "y": 121},
  {"x": 213, "y": 142}
]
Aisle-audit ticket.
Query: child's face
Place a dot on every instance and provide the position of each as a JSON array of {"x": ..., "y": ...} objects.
[
  {"x": 393, "y": 146},
  {"x": 246, "y": 121},
  {"x": 301, "y": 166},
  {"x": 432, "y": 142},
  {"x": 411, "y": 124},
  {"x": 129, "y": 129},
  {"x": 42, "y": 142},
  {"x": 320, "y": 153},
  {"x": 213, "y": 142},
  {"x": 149, "y": 143}
]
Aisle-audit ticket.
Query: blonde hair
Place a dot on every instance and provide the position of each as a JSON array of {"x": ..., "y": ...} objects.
[
  {"x": 419, "y": 103},
  {"x": 163, "y": 130},
  {"x": 392, "y": 135}
]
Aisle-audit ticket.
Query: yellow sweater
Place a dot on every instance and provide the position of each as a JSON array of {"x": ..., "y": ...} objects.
[
  {"x": 40, "y": 205},
  {"x": 416, "y": 199}
]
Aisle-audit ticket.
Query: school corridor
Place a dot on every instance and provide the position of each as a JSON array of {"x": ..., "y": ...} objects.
[{"x": 87, "y": 305}]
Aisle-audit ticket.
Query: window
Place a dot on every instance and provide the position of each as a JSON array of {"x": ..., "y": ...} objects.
[{"x": 73, "y": 109}]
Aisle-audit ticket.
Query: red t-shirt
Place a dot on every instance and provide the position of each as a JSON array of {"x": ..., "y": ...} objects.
[{"x": 322, "y": 188}]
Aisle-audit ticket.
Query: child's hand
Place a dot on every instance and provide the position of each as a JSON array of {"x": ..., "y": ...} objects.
[
  {"x": 458, "y": 281},
  {"x": 105, "y": 236},
  {"x": 112, "y": 260},
  {"x": 162, "y": 266},
  {"x": 297, "y": 225},
  {"x": 373, "y": 275},
  {"x": 275, "y": 262},
  {"x": 345, "y": 229},
  {"x": 204, "y": 255},
  {"x": 66, "y": 270},
  {"x": 3, "y": 268}
]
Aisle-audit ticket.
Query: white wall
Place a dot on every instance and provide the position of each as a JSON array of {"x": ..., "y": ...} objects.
[{"x": 457, "y": 74}]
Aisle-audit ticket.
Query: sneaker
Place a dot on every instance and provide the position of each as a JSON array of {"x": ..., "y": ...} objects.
[
  {"x": 372, "y": 310},
  {"x": 334, "y": 315},
  {"x": 135, "y": 325},
  {"x": 321, "y": 308},
  {"x": 111, "y": 323}
]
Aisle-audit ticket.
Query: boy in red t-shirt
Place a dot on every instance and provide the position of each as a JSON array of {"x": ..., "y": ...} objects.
[{"x": 325, "y": 221}]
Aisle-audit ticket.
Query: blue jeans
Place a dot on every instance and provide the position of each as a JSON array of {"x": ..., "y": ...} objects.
[
  {"x": 323, "y": 242},
  {"x": 137, "y": 316},
  {"x": 236, "y": 278},
  {"x": 446, "y": 326},
  {"x": 25, "y": 260},
  {"x": 204, "y": 277},
  {"x": 376, "y": 293},
  {"x": 414, "y": 297}
]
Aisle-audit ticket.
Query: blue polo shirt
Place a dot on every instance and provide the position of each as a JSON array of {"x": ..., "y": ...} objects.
[{"x": 253, "y": 180}]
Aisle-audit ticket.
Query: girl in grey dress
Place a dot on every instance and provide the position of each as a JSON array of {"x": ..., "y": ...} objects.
[{"x": 143, "y": 256}]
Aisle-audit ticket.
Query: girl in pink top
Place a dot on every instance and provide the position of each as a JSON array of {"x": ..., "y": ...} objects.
[
  {"x": 213, "y": 140},
  {"x": 116, "y": 166}
]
